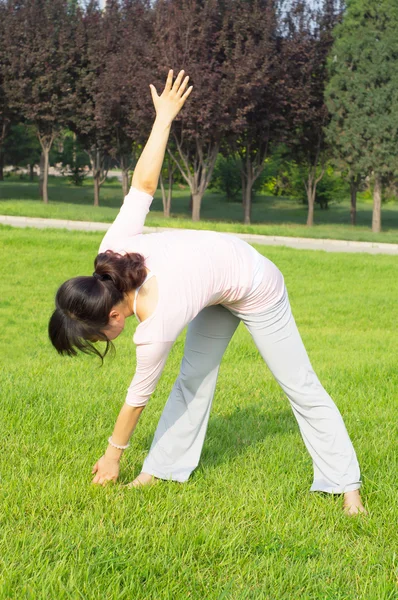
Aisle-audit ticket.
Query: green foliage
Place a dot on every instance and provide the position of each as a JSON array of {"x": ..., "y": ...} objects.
[
  {"x": 22, "y": 146},
  {"x": 331, "y": 188},
  {"x": 289, "y": 177},
  {"x": 227, "y": 178},
  {"x": 73, "y": 158},
  {"x": 362, "y": 95}
]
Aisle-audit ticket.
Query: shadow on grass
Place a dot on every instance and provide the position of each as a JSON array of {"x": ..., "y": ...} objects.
[{"x": 229, "y": 436}]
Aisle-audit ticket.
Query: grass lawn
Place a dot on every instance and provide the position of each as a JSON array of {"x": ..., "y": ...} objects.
[
  {"x": 245, "y": 525},
  {"x": 271, "y": 216}
]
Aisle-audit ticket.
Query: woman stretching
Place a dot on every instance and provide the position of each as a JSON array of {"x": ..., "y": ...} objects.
[{"x": 209, "y": 281}]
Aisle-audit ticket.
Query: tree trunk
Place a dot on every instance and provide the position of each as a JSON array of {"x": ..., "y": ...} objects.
[
  {"x": 99, "y": 171},
  {"x": 251, "y": 168},
  {"x": 247, "y": 200},
  {"x": 196, "y": 202},
  {"x": 197, "y": 170},
  {"x": 166, "y": 196},
  {"x": 96, "y": 177},
  {"x": 41, "y": 174},
  {"x": 46, "y": 141},
  {"x": 166, "y": 212},
  {"x": 1, "y": 163},
  {"x": 168, "y": 201},
  {"x": 353, "y": 210},
  {"x": 125, "y": 181},
  {"x": 46, "y": 152},
  {"x": 310, "y": 186},
  {"x": 311, "y": 192},
  {"x": 376, "y": 217},
  {"x": 3, "y": 133},
  {"x": 31, "y": 172}
]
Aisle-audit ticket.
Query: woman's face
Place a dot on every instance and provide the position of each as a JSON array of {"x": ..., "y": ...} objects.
[{"x": 115, "y": 326}]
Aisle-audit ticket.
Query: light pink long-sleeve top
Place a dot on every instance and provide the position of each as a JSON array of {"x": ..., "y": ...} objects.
[{"x": 193, "y": 269}]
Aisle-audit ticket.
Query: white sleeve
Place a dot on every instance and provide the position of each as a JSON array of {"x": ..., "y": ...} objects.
[
  {"x": 129, "y": 222},
  {"x": 151, "y": 359}
]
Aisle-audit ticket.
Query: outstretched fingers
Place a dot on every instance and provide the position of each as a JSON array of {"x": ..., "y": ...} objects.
[
  {"x": 182, "y": 87},
  {"x": 169, "y": 81},
  {"x": 178, "y": 81},
  {"x": 185, "y": 96}
]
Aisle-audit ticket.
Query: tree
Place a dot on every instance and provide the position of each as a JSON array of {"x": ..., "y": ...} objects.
[
  {"x": 362, "y": 94},
  {"x": 186, "y": 33},
  {"x": 39, "y": 44},
  {"x": 72, "y": 157},
  {"x": 93, "y": 134},
  {"x": 123, "y": 80},
  {"x": 304, "y": 48},
  {"x": 167, "y": 173},
  {"x": 250, "y": 71},
  {"x": 22, "y": 148},
  {"x": 5, "y": 112}
]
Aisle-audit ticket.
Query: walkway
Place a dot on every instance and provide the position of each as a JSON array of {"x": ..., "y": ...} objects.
[{"x": 266, "y": 240}]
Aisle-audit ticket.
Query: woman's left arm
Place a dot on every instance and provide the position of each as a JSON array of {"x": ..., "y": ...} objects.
[
  {"x": 151, "y": 359},
  {"x": 107, "y": 467}
]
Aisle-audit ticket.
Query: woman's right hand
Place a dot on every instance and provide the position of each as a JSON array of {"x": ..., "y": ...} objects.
[
  {"x": 106, "y": 469},
  {"x": 173, "y": 97}
]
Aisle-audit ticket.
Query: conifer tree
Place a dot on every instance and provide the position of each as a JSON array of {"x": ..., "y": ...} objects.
[{"x": 362, "y": 95}]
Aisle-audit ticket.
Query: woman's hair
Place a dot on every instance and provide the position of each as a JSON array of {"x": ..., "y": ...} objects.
[{"x": 83, "y": 303}]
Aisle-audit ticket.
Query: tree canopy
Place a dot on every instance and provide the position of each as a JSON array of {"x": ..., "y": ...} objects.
[{"x": 362, "y": 94}]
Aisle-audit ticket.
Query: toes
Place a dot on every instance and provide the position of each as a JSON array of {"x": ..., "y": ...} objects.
[
  {"x": 351, "y": 510},
  {"x": 142, "y": 480}
]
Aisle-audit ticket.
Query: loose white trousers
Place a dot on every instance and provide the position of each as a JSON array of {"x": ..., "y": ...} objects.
[{"x": 179, "y": 437}]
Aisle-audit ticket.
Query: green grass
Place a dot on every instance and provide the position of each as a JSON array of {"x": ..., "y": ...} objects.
[
  {"x": 245, "y": 525},
  {"x": 271, "y": 216}
]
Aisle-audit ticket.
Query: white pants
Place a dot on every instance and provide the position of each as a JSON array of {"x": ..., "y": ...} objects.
[{"x": 179, "y": 437}]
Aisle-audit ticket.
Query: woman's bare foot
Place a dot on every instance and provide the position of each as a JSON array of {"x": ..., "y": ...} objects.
[
  {"x": 353, "y": 504},
  {"x": 143, "y": 479}
]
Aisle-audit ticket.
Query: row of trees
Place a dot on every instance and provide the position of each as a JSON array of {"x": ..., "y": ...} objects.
[{"x": 266, "y": 74}]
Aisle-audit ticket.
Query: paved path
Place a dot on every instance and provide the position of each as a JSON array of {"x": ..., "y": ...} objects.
[{"x": 266, "y": 240}]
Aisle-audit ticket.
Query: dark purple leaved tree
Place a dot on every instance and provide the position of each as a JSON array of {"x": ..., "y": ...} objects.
[
  {"x": 304, "y": 51},
  {"x": 187, "y": 36},
  {"x": 5, "y": 114},
  {"x": 93, "y": 133},
  {"x": 250, "y": 71},
  {"x": 39, "y": 42},
  {"x": 123, "y": 80}
]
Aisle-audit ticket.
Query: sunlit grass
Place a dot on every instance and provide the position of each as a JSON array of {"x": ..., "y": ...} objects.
[
  {"x": 271, "y": 216},
  {"x": 245, "y": 525}
]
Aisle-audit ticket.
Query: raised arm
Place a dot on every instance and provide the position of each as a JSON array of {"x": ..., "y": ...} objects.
[
  {"x": 131, "y": 218},
  {"x": 167, "y": 106}
]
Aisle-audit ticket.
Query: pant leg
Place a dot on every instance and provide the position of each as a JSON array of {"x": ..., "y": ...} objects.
[
  {"x": 180, "y": 434},
  {"x": 275, "y": 333}
]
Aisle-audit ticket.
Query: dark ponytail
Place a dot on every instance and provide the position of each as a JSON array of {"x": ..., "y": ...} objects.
[
  {"x": 83, "y": 303},
  {"x": 127, "y": 272}
]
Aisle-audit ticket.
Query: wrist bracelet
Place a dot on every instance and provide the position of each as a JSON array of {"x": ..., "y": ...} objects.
[{"x": 117, "y": 445}]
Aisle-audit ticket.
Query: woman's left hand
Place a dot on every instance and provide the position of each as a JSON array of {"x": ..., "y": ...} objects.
[
  {"x": 173, "y": 97},
  {"x": 106, "y": 469}
]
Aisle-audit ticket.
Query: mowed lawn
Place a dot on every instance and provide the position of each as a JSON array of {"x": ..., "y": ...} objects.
[
  {"x": 245, "y": 525},
  {"x": 270, "y": 215}
]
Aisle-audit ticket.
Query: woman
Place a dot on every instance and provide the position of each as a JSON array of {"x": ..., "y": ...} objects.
[{"x": 208, "y": 280}]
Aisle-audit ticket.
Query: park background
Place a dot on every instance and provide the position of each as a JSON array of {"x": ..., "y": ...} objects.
[{"x": 291, "y": 130}]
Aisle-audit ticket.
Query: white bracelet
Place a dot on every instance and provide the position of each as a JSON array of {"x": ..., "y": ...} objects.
[{"x": 117, "y": 445}]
